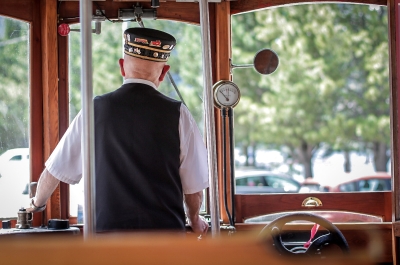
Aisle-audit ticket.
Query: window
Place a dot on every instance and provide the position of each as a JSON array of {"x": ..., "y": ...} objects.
[
  {"x": 14, "y": 115},
  {"x": 18, "y": 158},
  {"x": 285, "y": 184},
  {"x": 323, "y": 113},
  {"x": 349, "y": 187}
]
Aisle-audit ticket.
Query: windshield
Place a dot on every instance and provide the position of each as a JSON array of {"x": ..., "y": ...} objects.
[{"x": 324, "y": 113}]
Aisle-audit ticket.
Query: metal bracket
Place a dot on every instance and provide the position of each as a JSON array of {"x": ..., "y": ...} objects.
[
  {"x": 233, "y": 66},
  {"x": 136, "y": 14},
  {"x": 311, "y": 202},
  {"x": 97, "y": 18}
]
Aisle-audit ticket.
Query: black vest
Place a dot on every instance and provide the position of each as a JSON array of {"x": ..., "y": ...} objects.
[{"x": 137, "y": 162}]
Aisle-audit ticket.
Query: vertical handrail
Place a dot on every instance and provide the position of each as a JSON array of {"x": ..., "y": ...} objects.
[
  {"x": 87, "y": 117},
  {"x": 209, "y": 117}
]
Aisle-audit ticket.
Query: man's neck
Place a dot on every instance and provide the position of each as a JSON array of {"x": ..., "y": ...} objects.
[
  {"x": 141, "y": 81},
  {"x": 143, "y": 77}
]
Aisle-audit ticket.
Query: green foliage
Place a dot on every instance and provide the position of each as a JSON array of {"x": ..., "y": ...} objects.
[
  {"x": 14, "y": 85},
  {"x": 332, "y": 84}
]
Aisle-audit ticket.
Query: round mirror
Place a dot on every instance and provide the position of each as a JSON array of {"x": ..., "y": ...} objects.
[{"x": 266, "y": 61}]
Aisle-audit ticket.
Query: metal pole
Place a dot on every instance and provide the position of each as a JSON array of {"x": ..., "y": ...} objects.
[
  {"x": 209, "y": 117},
  {"x": 232, "y": 157},
  {"x": 87, "y": 117}
]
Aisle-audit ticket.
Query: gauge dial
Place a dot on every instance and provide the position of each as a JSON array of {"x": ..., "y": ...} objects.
[{"x": 226, "y": 94}]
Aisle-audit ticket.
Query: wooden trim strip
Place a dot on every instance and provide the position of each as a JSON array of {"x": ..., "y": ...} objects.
[
  {"x": 373, "y": 203},
  {"x": 50, "y": 92},
  {"x": 18, "y": 9}
]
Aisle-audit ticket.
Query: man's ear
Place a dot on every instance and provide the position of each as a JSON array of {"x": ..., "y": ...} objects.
[
  {"x": 121, "y": 66},
  {"x": 164, "y": 72}
]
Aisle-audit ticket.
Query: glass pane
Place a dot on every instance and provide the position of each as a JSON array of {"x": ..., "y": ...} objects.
[
  {"x": 263, "y": 181},
  {"x": 107, "y": 49},
  {"x": 14, "y": 116},
  {"x": 323, "y": 115}
]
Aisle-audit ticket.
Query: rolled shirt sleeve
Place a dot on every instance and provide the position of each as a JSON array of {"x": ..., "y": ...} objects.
[
  {"x": 65, "y": 162},
  {"x": 193, "y": 155}
]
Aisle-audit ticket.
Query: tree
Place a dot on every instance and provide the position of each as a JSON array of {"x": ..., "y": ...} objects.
[
  {"x": 185, "y": 63},
  {"x": 368, "y": 86},
  {"x": 14, "y": 85},
  {"x": 310, "y": 95}
]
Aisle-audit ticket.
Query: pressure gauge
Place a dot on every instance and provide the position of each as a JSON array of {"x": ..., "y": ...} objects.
[{"x": 226, "y": 94}]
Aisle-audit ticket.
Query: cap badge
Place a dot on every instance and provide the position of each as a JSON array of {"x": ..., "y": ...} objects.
[
  {"x": 165, "y": 47},
  {"x": 144, "y": 41},
  {"x": 137, "y": 50},
  {"x": 155, "y": 43},
  {"x": 155, "y": 54}
]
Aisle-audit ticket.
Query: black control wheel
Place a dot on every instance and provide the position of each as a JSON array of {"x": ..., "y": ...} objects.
[{"x": 333, "y": 235}]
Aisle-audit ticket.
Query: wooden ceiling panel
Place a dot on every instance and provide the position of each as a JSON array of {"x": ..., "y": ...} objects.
[{"x": 187, "y": 12}]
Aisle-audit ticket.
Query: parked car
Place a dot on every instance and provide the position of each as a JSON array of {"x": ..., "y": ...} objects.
[
  {"x": 310, "y": 185},
  {"x": 14, "y": 168},
  {"x": 14, "y": 171},
  {"x": 263, "y": 181},
  {"x": 379, "y": 181}
]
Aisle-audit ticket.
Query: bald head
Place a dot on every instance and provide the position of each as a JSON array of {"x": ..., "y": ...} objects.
[{"x": 132, "y": 67}]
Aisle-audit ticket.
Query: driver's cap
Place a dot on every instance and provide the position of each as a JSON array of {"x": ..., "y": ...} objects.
[{"x": 148, "y": 44}]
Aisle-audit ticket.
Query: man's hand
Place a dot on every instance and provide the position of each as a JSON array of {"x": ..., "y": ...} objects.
[
  {"x": 193, "y": 203},
  {"x": 46, "y": 185},
  {"x": 199, "y": 225},
  {"x": 33, "y": 208}
]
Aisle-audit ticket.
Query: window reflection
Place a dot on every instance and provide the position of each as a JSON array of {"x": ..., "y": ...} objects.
[{"x": 14, "y": 115}]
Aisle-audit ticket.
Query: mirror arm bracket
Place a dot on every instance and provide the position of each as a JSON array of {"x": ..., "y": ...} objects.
[{"x": 233, "y": 66}]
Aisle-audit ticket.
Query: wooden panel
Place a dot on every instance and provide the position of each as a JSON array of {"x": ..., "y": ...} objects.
[
  {"x": 50, "y": 91},
  {"x": 50, "y": 75},
  {"x": 394, "y": 40},
  {"x": 223, "y": 42},
  {"x": 36, "y": 101},
  {"x": 221, "y": 69},
  {"x": 19, "y": 9},
  {"x": 63, "y": 83},
  {"x": 189, "y": 12},
  {"x": 36, "y": 95},
  {"x": 378, "y": 203},
  {"x": 241, "y": 6},
  {"x": 396, "y": 229}
]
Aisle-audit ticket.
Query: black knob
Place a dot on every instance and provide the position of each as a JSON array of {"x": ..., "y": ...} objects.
[{"x": 6, "y": 224}]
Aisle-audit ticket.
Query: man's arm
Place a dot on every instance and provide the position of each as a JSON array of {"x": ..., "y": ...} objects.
[
  {"x": 46, "y": 185},
  {"x": 193, "y": 203}
]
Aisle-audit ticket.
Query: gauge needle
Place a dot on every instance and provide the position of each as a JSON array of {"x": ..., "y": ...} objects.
[{"x": 227, "y": 99}]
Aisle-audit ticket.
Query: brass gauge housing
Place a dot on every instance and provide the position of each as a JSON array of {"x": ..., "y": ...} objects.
[{"x": 226, "y": 94}]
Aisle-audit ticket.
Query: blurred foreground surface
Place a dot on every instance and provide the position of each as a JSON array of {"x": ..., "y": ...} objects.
[{"x": 145, "y": 248}]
